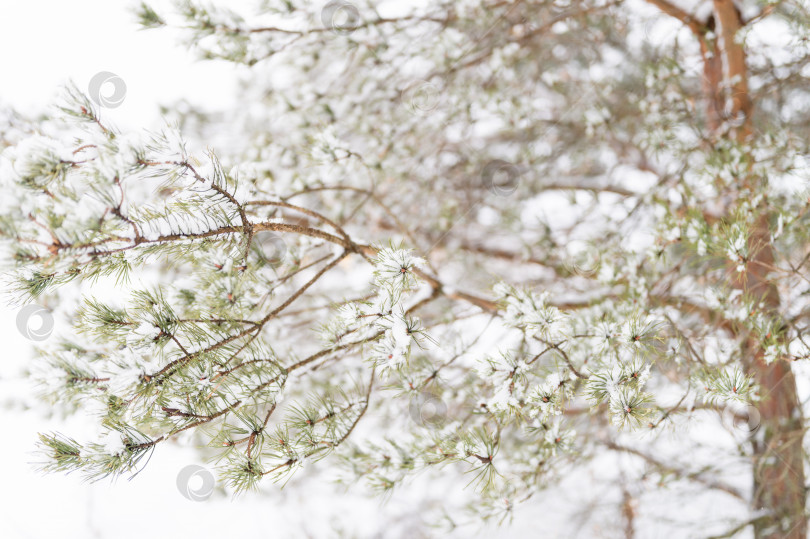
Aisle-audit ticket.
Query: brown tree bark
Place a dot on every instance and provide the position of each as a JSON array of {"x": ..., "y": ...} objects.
[
  {"x": 779, "y": 492},
  {"x": 779, "y": 495},
  {"x": 712, "y": 76},
  {"x": 779, "y": 480}
]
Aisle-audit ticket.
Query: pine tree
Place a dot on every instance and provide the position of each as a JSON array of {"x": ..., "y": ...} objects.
[{"x": 508, "y": 238}]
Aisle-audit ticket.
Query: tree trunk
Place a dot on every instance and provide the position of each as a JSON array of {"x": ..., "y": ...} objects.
[
  {"x": 779, "y": 492},
  {"x": 778, "y": 467},
  {"x": 778, "y": 455}
]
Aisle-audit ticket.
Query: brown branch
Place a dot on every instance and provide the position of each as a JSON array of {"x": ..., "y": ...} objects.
[
  {"x": 674, "y": 11},
  {"x": 667, "y": 468},
  {"x": 735, "y": 67}
]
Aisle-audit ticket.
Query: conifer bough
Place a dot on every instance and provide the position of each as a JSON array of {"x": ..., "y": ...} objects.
[{"x": 577, "y": 230}]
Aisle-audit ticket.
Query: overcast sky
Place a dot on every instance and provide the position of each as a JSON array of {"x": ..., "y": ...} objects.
[{"x": 48, "y": 42}]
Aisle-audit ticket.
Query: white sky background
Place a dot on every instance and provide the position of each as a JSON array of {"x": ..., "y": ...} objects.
[{"x": 45, "y": 43}]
